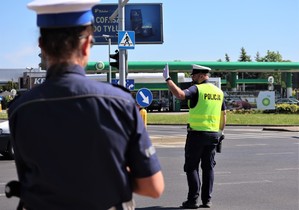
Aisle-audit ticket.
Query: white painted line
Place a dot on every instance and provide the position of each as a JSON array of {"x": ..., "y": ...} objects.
[
  {"x": 250, "y": 145},
  {"x": 278, "y": 153},
  {"x": 169, "y": 145},
  {"x": 222, "y": 172},
  {"x": 244, "y": 129},
  {"x": 2, "y": 195},
  {"x": 248, "y": 182},
  {"x": 286, "y": 169}
]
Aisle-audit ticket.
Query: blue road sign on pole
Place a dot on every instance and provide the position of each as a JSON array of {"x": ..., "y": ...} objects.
[
  {"x": 130, "y": 83},
  {"x": 144, "y": 97},
  {"x": 126, "y": 40}
]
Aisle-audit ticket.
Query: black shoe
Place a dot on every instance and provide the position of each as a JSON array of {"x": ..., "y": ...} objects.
[
  {"x": 206, "y": 205},
  {"x": 189, "y": 205}
]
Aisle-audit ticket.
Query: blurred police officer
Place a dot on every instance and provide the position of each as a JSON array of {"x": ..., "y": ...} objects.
[
  {"x": 206, "y": 121},
  {"x": 79, "y": 144}
]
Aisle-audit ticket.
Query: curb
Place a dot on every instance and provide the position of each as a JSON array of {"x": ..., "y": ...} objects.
[{"x": 289, "y": 129}]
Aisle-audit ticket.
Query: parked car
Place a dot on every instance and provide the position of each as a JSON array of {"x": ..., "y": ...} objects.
[
  {"x": 229, "y": 101},
  {"x": 155, "y": 105},
  {"x": 5, "y": 145},
  {"x": 287, "y": 101}
]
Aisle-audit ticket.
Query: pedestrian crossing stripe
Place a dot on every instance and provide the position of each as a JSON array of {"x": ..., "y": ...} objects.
[{"x": 126, "y": 40}]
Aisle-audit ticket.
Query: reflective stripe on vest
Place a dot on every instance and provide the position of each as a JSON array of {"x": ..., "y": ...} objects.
[{"x": 205, "y": 116}]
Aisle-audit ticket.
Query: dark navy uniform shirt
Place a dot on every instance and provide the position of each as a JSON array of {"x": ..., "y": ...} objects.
[{"x": 73, "y": 140}]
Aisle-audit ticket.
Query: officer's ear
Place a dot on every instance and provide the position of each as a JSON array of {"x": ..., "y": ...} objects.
[
  {"x": 201, "y": 76},
  {"x": 86, "y": 44}
]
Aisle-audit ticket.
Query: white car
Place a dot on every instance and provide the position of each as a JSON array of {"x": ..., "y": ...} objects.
[
  {"x": 287, "y": 101},
  {"x": 5, "y": 145}
]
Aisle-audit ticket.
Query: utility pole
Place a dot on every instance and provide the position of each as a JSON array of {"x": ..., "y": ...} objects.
[
  {"x": 108, "y": 37},
  {"x": 122, "y": 52}
]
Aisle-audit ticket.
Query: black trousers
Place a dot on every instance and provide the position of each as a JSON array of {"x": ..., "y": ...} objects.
[{"x": 199, "y": 152}]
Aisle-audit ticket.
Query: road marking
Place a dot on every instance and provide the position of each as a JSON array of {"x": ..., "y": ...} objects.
[
  {"x": 248, "y": 182},
  {"x": 244, "y": 129},
  {"x": 286, "y": 169},
  {"x": 256, "y": 135},
  {"x": 250, "y": 145},
  {"x": 278, "y": 153},
  {"x": 169, "y": 145},
  {"x": 222, "y": 172},
  {"x": 2, "y": 195}
]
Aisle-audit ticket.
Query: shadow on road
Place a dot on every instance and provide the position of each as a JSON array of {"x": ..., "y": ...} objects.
[
  {"x": 157, "y": 207},
  {"x": 4, "y": 158}
]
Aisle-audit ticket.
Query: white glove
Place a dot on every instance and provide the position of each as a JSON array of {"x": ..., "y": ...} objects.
[
  {"x": 220, "y": 133},
  {"x": 166, "y": 72}
]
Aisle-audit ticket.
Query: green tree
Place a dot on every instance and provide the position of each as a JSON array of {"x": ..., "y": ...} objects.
[
  {"x": 258, "y": 57},
  {"x": 246, "y": 58},
  {"x": 227, "y": 58},
  {"x": 10, "y": 85},
  {"x": 272, "y": 56},
  {"x": 223, "y": 75}
]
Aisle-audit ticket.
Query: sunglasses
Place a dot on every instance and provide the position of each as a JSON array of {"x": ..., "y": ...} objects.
[{"x": 92, "y": 41}]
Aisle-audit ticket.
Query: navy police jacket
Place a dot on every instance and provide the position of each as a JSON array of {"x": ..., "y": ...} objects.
[{"x": 74, "y": 139}]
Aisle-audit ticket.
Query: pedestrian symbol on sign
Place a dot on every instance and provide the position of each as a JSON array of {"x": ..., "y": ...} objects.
[{"x": 126, "y": 39}]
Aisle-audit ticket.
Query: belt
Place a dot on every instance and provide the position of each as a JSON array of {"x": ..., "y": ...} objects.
[{"x": 13, "y": 189}]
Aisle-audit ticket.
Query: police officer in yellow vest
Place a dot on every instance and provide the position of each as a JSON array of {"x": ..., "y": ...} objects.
[{"x": 206, "y": 121}]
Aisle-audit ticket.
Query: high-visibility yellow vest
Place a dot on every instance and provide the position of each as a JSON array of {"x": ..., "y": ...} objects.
[{"x": 205, "y": 116}]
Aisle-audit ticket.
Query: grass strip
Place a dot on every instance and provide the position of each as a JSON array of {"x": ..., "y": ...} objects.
[
  {"x": 232, "y": 119},
  {"x": 180, "y": 118}
]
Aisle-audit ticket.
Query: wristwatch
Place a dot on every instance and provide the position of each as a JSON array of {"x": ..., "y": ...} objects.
[{"x": 169, "y": 78}]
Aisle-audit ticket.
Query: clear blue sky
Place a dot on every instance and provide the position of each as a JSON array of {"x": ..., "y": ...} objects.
[{"x": 194, "y": 30}]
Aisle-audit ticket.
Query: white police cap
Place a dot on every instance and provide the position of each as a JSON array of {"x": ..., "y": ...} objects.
[
  {"x": 63, "y": 13},
  {"x": 199, "y": 69}
]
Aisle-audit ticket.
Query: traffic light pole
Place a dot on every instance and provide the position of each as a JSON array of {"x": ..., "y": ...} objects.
[
  {"x": 109, "y": 46},
  {"x": 122, "y": 52},
  {"x": 108, "y": 37}
]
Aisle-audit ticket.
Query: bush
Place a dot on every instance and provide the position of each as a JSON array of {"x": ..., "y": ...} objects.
[
  {"x": 244, "y": 111},
  {"x": 279, "y": 109},
  {"x": 287, "y": 108}
]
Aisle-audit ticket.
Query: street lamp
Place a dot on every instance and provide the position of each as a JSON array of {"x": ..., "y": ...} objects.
[
  {"x": 108, "y": 37},
  {"x": 29, "y": 69}
]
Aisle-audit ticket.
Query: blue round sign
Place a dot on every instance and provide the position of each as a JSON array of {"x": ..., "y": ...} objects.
[{"x": 144, "y": 97}]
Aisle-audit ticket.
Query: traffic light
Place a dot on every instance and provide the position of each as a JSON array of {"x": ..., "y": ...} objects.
[{"x": 116, "y": 58}]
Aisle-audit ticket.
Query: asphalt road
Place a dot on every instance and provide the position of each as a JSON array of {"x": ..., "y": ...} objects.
[{"x": 257, "y": 170}]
